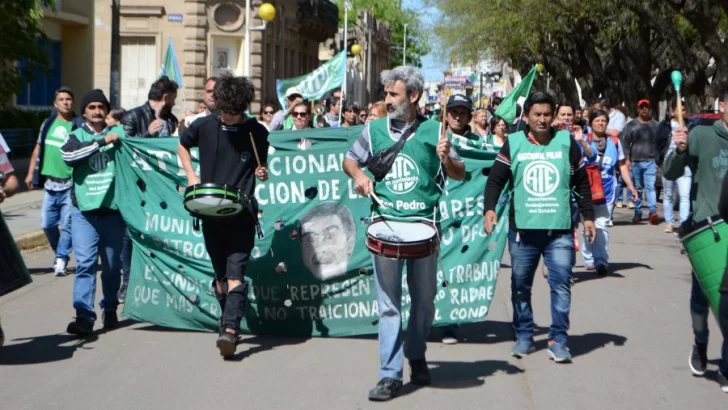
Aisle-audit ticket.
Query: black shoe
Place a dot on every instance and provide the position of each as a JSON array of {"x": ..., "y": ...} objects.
[
  {"x": 723, "y": 382},
  {"x": 122, "y": 293},
  {"x": 449, "y": 337},
  {"x": 699, "y": 359},
  {"x": 419, "y": 373},
  {"x": 80, "y": 327},
  {"x": 637, "y": 219},
  {"x": 602, "y": 270},
  {"x": 227, "y": 343},
  {"x": 2, "y": 335},
  {"x": 111, "y": 321},
  {"x": 385, "y": 390}
]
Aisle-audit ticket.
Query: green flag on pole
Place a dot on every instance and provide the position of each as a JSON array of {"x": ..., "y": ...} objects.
[
  {"x": 170, "y": 68},
  {"x": 314, "y": 85},
  {"x": 507, "y": 108}
]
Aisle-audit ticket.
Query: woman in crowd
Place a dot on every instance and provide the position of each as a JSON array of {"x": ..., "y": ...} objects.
[
  {"x": 363, "y": 114},
  {"x": 378, "y": 110},
  {"x": 266, "y": 115},
  {"x": 497, "y": 133},
  {"x": 479, "y": 126}
]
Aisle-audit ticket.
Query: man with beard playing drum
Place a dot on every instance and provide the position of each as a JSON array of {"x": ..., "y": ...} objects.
[
  {"x": 233, "y": 151},
  {"x": 420, "y": 158}
]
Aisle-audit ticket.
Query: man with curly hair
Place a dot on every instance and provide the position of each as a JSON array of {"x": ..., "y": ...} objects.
[{"x": 227, "y": 158}]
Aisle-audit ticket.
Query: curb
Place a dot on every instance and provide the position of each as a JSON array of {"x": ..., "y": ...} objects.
[{"x": 31, "y": 240}]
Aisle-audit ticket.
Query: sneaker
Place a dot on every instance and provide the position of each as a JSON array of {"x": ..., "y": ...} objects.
[
  {"x": 522, "y": 348},
  {"x": 669, "y": 228},
  {"x": 602, "y": 270},
  {"x": 419, "y": 373},
  {"x": 2, "y": 335},
  {"x": 620, "y": 205},
  {"x": 636, "y": 219},
  {"x": 589, "y": 266},
  {"x": 610, "y": 223},
  {"x": 449, "y": 337},
  {"x": 654, "y": 218},
  {"x": 723, "y": 382},
  {"x": 227, "y": 343},
  {"x": 80, "y": 327},
  {"x": 385, "y": 390},
  {"x": 559, "y": 352},
  {"x": 60, "y": 267},
  {"x": 122, "y": 293},
  {"x": 111, "y": 321},
  {"x": 699, "y": 359},
  {"x": 630, "y": 205}
]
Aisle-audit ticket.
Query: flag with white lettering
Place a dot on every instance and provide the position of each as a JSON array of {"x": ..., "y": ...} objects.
[{"x": 312, "y": 273}]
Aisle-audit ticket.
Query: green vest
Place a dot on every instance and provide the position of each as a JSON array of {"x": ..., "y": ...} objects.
[
  {"x": 409, "y": 190},
  {"x": 542, "y": 182},
  {"x": 93, "y": 180},
  {"x": 53, "y": 165}
]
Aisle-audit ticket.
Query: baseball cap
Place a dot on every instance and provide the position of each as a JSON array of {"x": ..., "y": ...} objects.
[
  {"x": 642, "y": 102},
  {"x": 459, "y": 100},
  {"x": 293, "y": 91}
]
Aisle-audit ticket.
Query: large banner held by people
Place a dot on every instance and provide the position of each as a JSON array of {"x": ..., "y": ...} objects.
[{"x": 312, "y": 273}]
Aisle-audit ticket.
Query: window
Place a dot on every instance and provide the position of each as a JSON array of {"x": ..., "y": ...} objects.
[{"x": 41, "y": 90}]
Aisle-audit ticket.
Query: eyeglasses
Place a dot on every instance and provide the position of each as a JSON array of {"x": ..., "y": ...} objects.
[
  {"x": 267, "y": 112},
  {"x": 299, "y": 114}
]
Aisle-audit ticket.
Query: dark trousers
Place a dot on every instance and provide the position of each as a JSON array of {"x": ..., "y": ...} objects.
[
  {"x": 229, "y": 242},
  {"x": 723, "y": 322}
]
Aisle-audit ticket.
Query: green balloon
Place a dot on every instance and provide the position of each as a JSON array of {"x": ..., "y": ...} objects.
[{"x": 677, "y": 79}]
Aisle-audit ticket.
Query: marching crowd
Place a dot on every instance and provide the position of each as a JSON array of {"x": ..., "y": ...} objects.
[{"x": 595, "y": 150}]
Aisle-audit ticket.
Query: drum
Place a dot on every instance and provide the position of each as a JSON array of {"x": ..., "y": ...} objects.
[
  {"x": 707, "y": 253},
  {"x": 212, "y": 200},
  {"x": 401, "y": 240}
]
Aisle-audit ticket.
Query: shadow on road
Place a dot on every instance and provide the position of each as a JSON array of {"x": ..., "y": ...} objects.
[
  {"x": 581, "y": 345},
  {"x": 263, "y": 344},
  {"x": 620, "y": 266},
  {"x": 585, "y": 276},
  {"x": 463, "y": 375},
  {"x": 48, "y": 348},
  {"x": 488, "y": 332}
]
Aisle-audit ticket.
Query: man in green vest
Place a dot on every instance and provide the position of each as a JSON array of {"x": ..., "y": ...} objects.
[
  {"x": 97, "y": 226},
  {"x": 413, "y": 187},
  {"x": 543, "y": 166},
  {"x": 48, "y": 170}
]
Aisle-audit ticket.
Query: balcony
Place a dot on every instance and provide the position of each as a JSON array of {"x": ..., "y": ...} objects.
[{"x": 318, "y": 18}]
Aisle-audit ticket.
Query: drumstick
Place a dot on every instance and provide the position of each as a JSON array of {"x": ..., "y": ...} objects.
[
  {"x": 376, "y": 198},
  {"x": 255, "y": 150}
]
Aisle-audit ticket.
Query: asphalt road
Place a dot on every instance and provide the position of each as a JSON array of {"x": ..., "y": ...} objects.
[{"x": 630, "y": 334}]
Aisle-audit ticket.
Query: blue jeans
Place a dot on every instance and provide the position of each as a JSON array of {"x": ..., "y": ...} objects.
[
  {"x": 683, "y": 189},
  {"x": 620, "y": 189},
  {"x": 422, "y": 285},
  {"x": 55, "y": 211},
  {"x": 526, "y": 248},
  {"x": 644, "y": 175},
  {"x": 95, "y": 236},
  {"x": 597, "y": 254},
  {"x": 126, "y": 257}
]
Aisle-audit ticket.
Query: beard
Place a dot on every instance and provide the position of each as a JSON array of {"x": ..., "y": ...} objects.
[{"x": 401, "y": 112}]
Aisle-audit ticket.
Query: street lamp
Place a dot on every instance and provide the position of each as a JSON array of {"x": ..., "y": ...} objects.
[
  {"x": 267, "y": 12},
  {"x": 355, "y": 49}
]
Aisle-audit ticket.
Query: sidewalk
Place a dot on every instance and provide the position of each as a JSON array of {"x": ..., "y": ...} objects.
[{"x": 22, "y": 215}]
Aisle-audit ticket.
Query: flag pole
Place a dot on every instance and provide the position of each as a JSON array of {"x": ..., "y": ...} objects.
[{"x": 346, "y": 31}]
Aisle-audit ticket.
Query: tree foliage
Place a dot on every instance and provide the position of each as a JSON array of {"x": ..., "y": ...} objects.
[
  {"x": 20, "y": 29},
  {"x": 622, "y": 49},
  {"x": 390, "y": 11}
]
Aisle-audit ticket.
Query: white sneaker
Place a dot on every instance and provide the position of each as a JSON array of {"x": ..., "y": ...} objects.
[
  {"x": 60, "y": 267},
  {"x": 610, "y": 223}
]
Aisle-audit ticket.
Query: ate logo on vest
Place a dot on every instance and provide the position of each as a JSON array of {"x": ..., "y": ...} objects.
[
  {"x": 541, "y": 178},
  {"x": 99, "y": 161},
  {"x": 403, "y": 176}
]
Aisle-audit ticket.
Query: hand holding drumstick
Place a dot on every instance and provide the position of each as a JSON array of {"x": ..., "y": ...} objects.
[{"x": 261, "y": 172}]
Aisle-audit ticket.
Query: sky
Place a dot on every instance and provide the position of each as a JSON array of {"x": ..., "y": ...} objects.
[{"x": 431, "y": 68}]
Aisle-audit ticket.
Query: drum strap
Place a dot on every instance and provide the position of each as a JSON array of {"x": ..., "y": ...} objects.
[{"x": 196, "y": 224}]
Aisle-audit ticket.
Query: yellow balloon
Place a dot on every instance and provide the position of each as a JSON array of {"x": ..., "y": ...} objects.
[
  {"x": 267, "y": 12},
  {"x": 539, "y": 67},
  {"x": 355, "y": 49},
  {"x": 502, "y": 81}
]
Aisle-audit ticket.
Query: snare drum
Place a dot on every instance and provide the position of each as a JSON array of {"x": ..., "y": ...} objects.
[
  {"x": 401, "y": 240},
  {"x": 707, "y": 253},
  {"x": 212, "y": 200}
]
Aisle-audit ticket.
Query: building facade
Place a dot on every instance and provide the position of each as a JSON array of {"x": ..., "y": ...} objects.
[{"x": 208, "y": 37}]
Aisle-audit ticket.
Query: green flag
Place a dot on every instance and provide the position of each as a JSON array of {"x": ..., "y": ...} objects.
[
  {"x": 507, "y": 108},
  {"x": 170, "y": 68},
  {"x": 314, "y": 85}
]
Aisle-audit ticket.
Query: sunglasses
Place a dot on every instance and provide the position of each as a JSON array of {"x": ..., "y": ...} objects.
[
  {"x": 299, "y": 114},
  {"x": 267, "y": 112}
]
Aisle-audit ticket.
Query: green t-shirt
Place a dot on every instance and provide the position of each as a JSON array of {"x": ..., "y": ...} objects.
[
  {"x": 541, "y": 181},
  {"x": 94, "y": 179},
  {"x": 53, "y": 165}
]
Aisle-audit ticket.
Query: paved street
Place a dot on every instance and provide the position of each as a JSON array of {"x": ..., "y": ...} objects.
[{"x": 631, "y": 338}]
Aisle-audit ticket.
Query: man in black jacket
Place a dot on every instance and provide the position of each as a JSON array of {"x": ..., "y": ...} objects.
[{"x": 154, "y": 118}]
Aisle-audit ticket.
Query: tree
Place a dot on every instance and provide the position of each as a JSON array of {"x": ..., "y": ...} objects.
[
  {"x": 22, "y": 38},
  {"x": 391, "y": 12},
  {"x": 621, "y": 49}
]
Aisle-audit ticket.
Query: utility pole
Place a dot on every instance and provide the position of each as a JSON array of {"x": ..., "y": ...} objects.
[
  {"x": 115, "y": 77},
  {"x": 404, "y": 49},
  {"x": 370, "y": 19}
]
